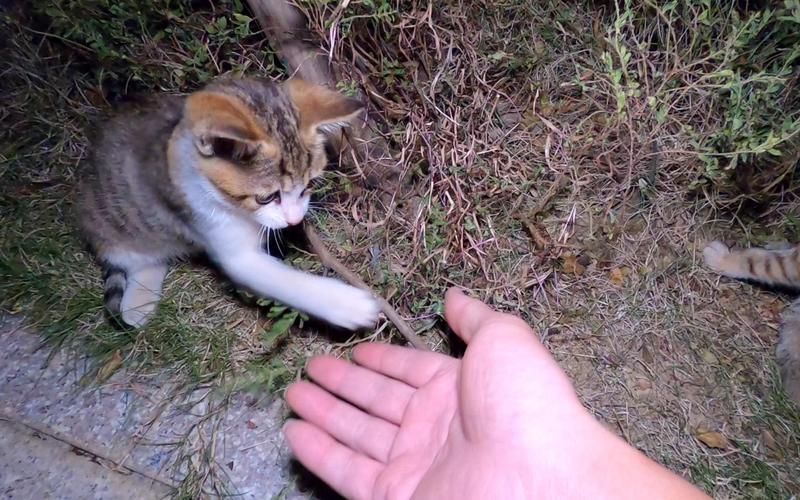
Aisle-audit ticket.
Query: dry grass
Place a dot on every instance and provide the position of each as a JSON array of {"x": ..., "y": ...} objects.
[{"x": 489, "y": 106}]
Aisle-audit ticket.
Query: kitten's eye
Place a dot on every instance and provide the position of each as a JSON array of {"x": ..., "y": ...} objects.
[
  {"x": 240, "y": 151},
  {"x": 266, "y": 199}
]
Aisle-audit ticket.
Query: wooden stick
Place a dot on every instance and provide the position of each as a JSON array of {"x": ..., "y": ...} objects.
[
  {"x": 545, "y": 200},
  {"x": 541, "y": 240},
  {"x": 333, "y": 263}
]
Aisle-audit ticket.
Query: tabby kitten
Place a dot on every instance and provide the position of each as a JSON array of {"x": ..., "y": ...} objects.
[
  {"x": 208, "y": 173},
  {"x": 779, "y": 267}
]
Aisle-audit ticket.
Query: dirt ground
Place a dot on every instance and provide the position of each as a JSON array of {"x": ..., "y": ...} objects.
[{"x": 523, "y": 181}]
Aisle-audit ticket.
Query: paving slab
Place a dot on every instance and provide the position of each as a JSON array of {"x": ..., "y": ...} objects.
[
  {"x": 126, "y": 434},
  {"x": 34, "y": 465}
]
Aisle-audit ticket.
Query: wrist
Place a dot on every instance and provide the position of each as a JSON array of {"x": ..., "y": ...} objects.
[
  {"x": 618, "y": 470},
  {"x": 586, "y": 460}
]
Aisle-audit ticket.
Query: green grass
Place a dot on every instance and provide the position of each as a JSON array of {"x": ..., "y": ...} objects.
[{"x": 757, "y": 473}]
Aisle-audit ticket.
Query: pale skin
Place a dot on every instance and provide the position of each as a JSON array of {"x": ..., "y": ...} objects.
[{"x": 503, "y": 422}]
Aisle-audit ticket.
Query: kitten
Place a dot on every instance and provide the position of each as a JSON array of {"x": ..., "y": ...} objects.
[
  {"x": 779, "y": 267},
  {"x": 209, "y": 173}
]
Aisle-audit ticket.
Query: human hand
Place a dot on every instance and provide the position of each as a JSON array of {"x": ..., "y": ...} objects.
[{"x": 502, "y": 422}]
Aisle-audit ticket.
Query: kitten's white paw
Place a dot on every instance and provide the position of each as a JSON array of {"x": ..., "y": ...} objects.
[
  {"x": 714, "y": 254},
  {"x": 137, "y": 317},
  {"x": 348, "y": 307}
]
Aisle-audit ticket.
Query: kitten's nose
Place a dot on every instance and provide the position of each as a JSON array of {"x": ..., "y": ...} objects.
[
  {"x": 293, "y": 213},
  {"x": 293, "y": 206},
  {"x": 294, "y": 220}
]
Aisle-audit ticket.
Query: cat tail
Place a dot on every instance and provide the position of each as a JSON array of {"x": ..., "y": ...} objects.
[
  {"x": 788, "y": 351},
  {"x": 115, "y": 280}
]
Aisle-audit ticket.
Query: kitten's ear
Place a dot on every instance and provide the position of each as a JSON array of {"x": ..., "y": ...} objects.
[
  {"x": 222, "y": 125},
  {"x": 319, "y": 106}
]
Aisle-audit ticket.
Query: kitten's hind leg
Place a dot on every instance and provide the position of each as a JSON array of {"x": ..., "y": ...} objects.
[
  {"x": 789, "y": 351},
  {"x": 772, "y": 267},
  {"x": 142, "y": 293}
]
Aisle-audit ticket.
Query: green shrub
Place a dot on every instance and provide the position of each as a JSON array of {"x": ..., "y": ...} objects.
[
  {"x": 168, "y": 44},
  {"x": 737, "y": 68}
]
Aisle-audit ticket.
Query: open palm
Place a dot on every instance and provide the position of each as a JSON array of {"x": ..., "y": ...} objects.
[
  {"x": 402, "y": 423},
  {"x": 503, "y": 422}
]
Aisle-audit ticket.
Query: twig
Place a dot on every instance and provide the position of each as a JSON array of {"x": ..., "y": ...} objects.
[
  {"x": 555, "y": 187},
  {"x": 333, "y": 263},
  {"x": 541, "y": 239}
]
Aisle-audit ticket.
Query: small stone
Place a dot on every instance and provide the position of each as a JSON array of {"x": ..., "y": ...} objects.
[{"x": 709, "y": 357}]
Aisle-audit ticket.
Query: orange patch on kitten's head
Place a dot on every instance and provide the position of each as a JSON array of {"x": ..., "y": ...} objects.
[
  {"x": 255, "y": 138},
  {"x": 235, "y": 150}
]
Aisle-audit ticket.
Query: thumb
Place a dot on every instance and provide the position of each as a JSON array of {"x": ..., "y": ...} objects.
[{"x": 466, "y": 316}]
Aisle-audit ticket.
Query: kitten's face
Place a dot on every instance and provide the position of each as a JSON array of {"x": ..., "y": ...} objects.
[{"x": 259, "y": 143}]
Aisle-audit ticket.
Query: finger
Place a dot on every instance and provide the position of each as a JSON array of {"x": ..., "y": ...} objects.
[
  {"x": 350, "y": 473},
  {"x": 412, "y": 366},
  {"x": 354, "y": 428},
  {"x": 380, "y": 395},
  {"x": 467, "y": 316}
]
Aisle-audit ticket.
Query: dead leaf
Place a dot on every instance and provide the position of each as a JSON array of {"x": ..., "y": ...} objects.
[
  {"x": 768, "y": 440},
  {"x": 96, "y": 97},
  {"x": 770, "y": 310},
  {"x": 572, "y": 266},
  {"x": 712, "y": 439},
  {"x": 643, "y": 384},
  {"x": 110, "y": 367},
  {"x": 618, "y": 275},
  {"x": 772, "y": 447}
]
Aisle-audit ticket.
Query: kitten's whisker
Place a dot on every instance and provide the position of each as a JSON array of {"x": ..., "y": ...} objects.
[
  {"x": 279, "y": 240},
  {"x": 261, "y": 232},
  {"x": 319, "y": 206}
]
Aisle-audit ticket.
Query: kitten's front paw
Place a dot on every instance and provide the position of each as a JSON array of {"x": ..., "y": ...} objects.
[
  {"x": 714, "y": 254},
  {"x": 350, "y": 307}
]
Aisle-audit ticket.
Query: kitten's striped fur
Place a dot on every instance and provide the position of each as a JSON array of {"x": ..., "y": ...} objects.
[
  {"x": 778, "y": 267},
  {"x": 208, "y": 173}
]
